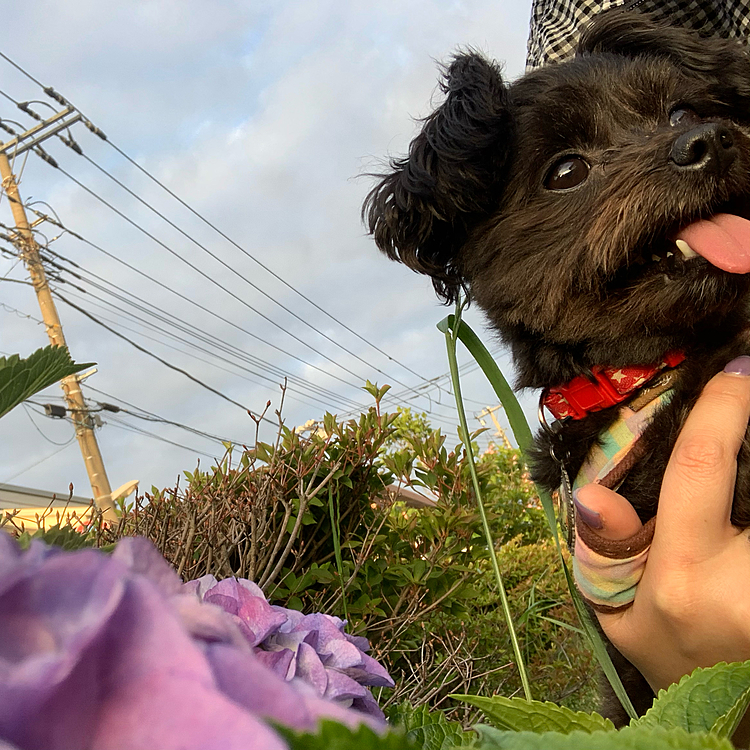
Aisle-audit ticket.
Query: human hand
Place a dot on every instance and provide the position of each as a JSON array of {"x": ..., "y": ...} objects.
[{"x": 692, "y": 605}]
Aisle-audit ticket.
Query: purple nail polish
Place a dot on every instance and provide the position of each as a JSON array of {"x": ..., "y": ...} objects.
[
  {"x": 589, "y": 517},
  {"x": 738, "y": 366}
]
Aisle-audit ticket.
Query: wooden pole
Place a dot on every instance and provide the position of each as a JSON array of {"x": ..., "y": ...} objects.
[{"x": 92, "y": 456}]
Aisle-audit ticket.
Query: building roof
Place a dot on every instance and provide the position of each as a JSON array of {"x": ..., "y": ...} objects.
[
  {"x": 13, "y": 496},
  {"x": 30, "y": 507}
]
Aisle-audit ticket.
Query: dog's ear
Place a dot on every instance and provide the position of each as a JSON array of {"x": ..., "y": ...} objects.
[
  {"x": 633, "y": 34},
  {"x": 420, "y": 213}
]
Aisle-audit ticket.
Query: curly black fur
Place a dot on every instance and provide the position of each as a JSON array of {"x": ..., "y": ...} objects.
[{"x": 564, "y": 275}]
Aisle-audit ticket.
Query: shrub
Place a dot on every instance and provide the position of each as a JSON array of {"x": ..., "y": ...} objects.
[{"x": 308, "y": 518}]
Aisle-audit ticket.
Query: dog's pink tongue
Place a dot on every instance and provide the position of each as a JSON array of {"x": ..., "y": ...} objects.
[{"x": 723, "y": 240}]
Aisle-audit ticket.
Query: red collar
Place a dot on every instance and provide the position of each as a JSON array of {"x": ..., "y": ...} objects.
[{"x": 607, "y": 386}]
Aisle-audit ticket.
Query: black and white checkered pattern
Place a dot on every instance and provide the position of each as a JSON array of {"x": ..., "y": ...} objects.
[{"x": 556, "y": 24}]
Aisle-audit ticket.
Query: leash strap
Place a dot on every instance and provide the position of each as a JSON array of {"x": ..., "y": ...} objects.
[{"x": 607, "y": 572}]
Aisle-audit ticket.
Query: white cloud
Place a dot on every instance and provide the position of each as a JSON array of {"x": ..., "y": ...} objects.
[{"x": 261, "y": 115}]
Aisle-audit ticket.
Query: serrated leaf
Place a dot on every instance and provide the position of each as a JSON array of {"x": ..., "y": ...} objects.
[
  {"x": 519, "y": 715},
  {"x": 630, "y": 738},
  {"x": 699, "y": 700},
  {"x": 430, "y": 730},
  {"x": 22, "y": 378},
  {"x": 334, "y": 736},
  {"x": 726, "y": 725}
]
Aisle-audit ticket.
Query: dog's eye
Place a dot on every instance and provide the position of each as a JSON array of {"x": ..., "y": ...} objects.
[
  {"x": 567, "y": 173},
  {"x": 681, "y": 116}
]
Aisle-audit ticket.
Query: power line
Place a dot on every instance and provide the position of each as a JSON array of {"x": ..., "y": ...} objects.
[
  {"x": 203, "y": 336},
  {"x": 200, "y": 335},
  {"x": 191, "y": 301},
  {"x": 236, "y": 272},
  {"x": 186, "y": 327},
  {"x": 261, "y": 264},
  {"x": 149, "y": 416},
  {"x": 49, "y": 91},
  {"x": 151, "y": 354},
  {"x": 132, "y": 428},
  {"x": 209, "y": 362},
  {"x": 20, "y": 314},
  {"x": 41, "y": 460},
  {"x": 205, "y": 275},
  {"x": 27, "y": 409}
]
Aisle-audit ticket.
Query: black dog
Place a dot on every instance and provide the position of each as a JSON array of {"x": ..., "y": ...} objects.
[{"x": 597, "y": 211}]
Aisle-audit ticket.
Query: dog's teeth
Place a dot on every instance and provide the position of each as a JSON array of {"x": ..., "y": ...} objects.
[
  {"x": 670, "y": 255},
  {"x": 655, "y": 258},
  {"x": 685, "y": 249}
]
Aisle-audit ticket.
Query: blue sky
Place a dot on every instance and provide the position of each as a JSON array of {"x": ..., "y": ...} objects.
[{"x": 264, "y": 117}]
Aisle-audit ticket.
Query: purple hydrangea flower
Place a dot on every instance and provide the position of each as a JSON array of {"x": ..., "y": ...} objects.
[
  {"x": 311, "y": 649},
  {"x": 110, "y": 652}
]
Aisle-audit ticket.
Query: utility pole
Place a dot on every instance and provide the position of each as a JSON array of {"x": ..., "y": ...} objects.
[{"x": 30, "y": 253}]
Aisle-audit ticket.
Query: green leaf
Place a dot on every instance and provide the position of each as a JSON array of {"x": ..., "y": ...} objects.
[
  {"x": 726, "y": 725},
  {"x": 333, "y": 736},
  {"x": 522, "y": 433},
  {"x": 499, "y": 384},
  {"x": 22, "y": 378},
  {"x": 640, "y": 738},
  {"x": 430, "y": 730},
  {"x": 64, "y": 536},
  {"x": 519, "y": 715},
  {"x": 450, "y": 342},
  {"x": 703, "y": 700}
]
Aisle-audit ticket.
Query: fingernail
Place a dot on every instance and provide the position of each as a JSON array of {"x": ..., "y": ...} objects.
[
  {"x": 738, "y": 366},
  {"x": 590, "y": 517}
]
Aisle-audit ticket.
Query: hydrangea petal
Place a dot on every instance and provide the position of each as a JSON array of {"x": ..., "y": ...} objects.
[
  {"x": 311, "y": 669},
  {"x": 366, "y": 704},
  {"x": 278, "y": 700},
  {"x": 47, "y": 619},
  {"x": 341, "y": 654},
  {"x": 258, "y": 618},
  {"x": 343, "y": 688},
  {"x": 370, "y": 672},
  {"x": 199, "y": 586},
  {"x": 280, "y": 662},
  {"x": 142, "y": 558}
]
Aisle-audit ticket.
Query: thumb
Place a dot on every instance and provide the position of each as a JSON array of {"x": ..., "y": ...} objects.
[{"x": 606, "y": 512}]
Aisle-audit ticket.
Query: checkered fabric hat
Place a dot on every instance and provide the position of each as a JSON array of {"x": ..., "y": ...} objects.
[{"x": 556, "y": 24}]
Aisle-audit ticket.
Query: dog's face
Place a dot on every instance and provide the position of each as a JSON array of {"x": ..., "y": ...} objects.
[{"x": 573, "y": 203}]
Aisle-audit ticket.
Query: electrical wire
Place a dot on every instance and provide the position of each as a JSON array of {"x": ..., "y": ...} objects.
[
  {"x": 152, "y": 417},
  {"x": 20, "y": 314},
  {"x": 201, "y": 335},
  {"x": 211, "y": 362},
  {"x": 191, "y": 301},
  {"x": 151, "y": 354},
  {"x": 207, "y": 338},
  {"x": 49, "y": 91},
  {"x": 40, "y": 461},
  {"x": 258, "y": 262},
  {"x": 27, "y": 409},
  {"x": 236, "y": 272},
  {"x": 170, "y": 289},
  {"x": 206, "y": 276},
  {"x": 118, "y": 423}
]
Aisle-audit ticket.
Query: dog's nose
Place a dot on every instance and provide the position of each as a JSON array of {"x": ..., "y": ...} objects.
[{"x": 709, "y": 146}]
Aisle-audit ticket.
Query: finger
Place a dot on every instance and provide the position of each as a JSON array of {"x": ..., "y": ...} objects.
[
  {"x": 698, "y": 486},
  {"x": 609, "y": 514}
]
